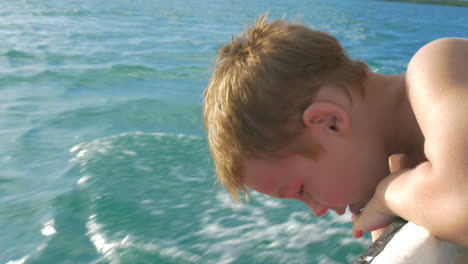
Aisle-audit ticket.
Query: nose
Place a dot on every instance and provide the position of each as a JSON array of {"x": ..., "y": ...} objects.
[{"x": 318, "y": 209}]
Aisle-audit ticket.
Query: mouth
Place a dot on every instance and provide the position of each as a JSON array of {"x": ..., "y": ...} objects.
[
  {"x": 353, "y": 208},
  {"x": 339, "y": 211}
]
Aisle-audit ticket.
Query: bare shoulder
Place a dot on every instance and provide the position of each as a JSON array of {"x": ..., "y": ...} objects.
[
  {"x": 438, "y": 75},
  {"x": 437, "y": 87},
  {"x": 440, "y": 66}
]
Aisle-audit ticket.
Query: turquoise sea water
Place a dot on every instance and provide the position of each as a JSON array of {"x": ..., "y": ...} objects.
[{"x": 102, "y": 149}]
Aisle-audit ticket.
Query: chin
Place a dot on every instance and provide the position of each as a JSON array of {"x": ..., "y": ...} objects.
[{"x": 356, "y": 207}]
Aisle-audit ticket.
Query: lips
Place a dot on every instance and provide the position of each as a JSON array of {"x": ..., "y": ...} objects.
[
  {"x": 339, "y": 210},
  {"x": 322, "y": 211},
  {"x": 354, "y": 209}
]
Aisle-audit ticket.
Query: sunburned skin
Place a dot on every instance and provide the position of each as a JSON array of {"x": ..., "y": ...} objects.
[
  {"x": 342, "y": 128},
  {"x": 344, "y": 132},
  {"x": 432, "y": 194},
  {"x": 406, "y": 115}
]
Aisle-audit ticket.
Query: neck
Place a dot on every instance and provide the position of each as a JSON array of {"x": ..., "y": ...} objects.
[{"x": 394, "y": 117}]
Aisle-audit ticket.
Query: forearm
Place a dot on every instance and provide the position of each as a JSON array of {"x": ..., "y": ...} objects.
[{"x": 439, "y": 204}]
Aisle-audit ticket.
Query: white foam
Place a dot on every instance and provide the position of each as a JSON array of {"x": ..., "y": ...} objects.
[
  {"x": 107, "y": 247},
  {"x": 181, "y": 205},
  {"x": 158, "y": 212},
  {"x": 83, "y": 179},
  {"x": 169, "y": 251},
  {"x": 98, "y": 239},
  {"x": 124, "y": 240},
  {"x": 351, "y": 240},
  {"x": 129, "y": 153},
  {"x": 267, "y": 201},
  {"x": 49, "y": 228},
  {"x": 147, "y": 201},
  {"x": 76, "y": 147},
  {"x": 81, "y": 153},
  {"x": 142, "y": 167},
  {"x": 101, "y": 242},
  {"x": 326, "y": 260},
  {"x": 226, "y": 201},
  {"x": 178, "y": 173},
  {"x": 290, "y": 234},
  {"x": 252, "y": 224},
  {"x": 19, "y": 261}
]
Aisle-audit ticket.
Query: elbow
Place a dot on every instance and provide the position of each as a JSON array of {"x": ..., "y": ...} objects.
[
  {"x": 451, "y": 203},
  {"x": 448, "y": 203},
  {"x": 456, "y": 235},
  {"x": 463, "y": 241},
  {"x": 454, "y": 229},
  {"x": 460, "y": 227}
]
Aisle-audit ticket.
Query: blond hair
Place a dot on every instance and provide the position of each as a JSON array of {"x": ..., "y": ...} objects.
[{"x": 263, "y": 81}]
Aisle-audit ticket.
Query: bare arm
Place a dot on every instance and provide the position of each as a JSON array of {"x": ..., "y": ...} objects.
[
  {"x": 437, "y": 84},
  {"x": 396, "y": 163},
  {"x": 435, "y": 194}
]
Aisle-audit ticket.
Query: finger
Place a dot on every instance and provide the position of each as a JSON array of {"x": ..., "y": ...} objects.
[
  {"x": 354, "y": 217},
  {"x": 356, "y": 230},
  {"x": 370, "y": 219}
]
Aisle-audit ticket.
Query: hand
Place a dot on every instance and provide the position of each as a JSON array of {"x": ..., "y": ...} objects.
[{"x": 376, "y": 215}]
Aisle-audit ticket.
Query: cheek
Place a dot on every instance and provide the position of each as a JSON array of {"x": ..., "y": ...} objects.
[
  {"x": 332, "y": 189},
  {"x": 341, "y": 185},
  {"x": 339, "y": 196}
]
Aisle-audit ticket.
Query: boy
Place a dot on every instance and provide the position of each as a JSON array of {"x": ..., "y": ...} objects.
[{"x": 288, "y": 114}]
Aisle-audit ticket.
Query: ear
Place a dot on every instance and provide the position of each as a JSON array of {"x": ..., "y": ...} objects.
[{"x": 327, "y": 117}]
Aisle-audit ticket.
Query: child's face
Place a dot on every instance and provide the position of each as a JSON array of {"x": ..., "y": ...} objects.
[{"x": 335, "y": 180}]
